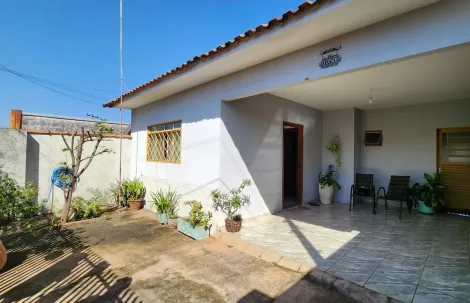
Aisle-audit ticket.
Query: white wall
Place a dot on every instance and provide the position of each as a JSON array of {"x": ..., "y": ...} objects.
[
  {"x": 44, "y": 154},
  {"x": 198, "y": 172},
  {"x": 13, "y": 144},
  {"x": 409, "y": 138},
  {"x": 251, "y": 147},
  {"x": 340, "y": 122}
]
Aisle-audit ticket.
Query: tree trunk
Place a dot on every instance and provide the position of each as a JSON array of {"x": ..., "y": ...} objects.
[{"x": 66, "y": 211}]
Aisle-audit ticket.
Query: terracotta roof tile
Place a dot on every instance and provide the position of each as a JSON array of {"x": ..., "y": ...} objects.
[{"x": 302, "y": 9}]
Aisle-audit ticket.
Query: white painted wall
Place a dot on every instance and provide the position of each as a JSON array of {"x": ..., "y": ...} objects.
[
  {"x": 251, "y": 147},
  {"x": 340, "y": 122},
  {"x": 198, "y": 172},
  {"x": 409, "y": 138},
  {"x": 44, "y": 154},
  {"x": 13, "y": 144}
]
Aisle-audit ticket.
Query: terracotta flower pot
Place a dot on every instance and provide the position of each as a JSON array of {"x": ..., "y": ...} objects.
[
  {"x": 3, "y": 255},
  {"x": 233, "y": 226},
  {"x": 135, "y": 204}
]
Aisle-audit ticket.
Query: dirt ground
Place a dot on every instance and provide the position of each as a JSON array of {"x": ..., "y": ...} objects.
[{"x": 130, "y": 258}]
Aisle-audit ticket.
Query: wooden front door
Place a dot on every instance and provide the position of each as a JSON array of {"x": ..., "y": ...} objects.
[{"x": 454, "y": 167}]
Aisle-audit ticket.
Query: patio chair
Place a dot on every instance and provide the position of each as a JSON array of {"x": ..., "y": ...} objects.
[
  {"x": 398, "y": 190},
  {"x": 363, "y": 187}
]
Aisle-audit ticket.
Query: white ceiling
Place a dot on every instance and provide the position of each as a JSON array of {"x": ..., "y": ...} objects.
[{"x": 434, "y": 77}]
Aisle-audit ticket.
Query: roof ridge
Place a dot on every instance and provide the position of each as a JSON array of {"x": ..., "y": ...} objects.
[{"x": 302, "y": 9}]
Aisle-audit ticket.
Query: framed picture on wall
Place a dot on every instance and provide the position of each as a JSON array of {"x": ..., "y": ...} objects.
[{"x": 373, "y": 138}]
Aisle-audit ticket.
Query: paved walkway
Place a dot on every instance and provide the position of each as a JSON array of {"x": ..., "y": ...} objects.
[
  {"x": 420, "y": 258},
  {"x": 130, "y": 258}
]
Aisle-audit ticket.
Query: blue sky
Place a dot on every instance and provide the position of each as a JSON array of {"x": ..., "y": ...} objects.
[{"x": 76, "y": 42}]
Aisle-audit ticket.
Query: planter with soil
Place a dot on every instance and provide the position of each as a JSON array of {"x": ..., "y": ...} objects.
[
  {"x": 196, "y": 232},
  {"x": 233, "y": 226},
  {"x": 135, "y": 204},
  {"x": 162, "y": 218}
]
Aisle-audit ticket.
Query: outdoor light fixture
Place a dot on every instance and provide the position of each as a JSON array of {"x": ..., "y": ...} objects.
[{"x": 370, "y": 96}]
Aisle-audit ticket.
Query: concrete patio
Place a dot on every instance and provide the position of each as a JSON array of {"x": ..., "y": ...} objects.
[{"x": 420, "y": 258}]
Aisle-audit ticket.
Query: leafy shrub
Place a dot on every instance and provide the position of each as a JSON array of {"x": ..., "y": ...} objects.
[
  {"x": 166, "y": 202},
  {"x": 198, "y": 217},
  {"x": 85, "y": 209},
  {"x": 134, "y": 190},
  {"x": 328, "y": 180},
  {"x": 116, "y": 192},
  {"x": 17, "y": 202},
  {"x": 229, "y": 203}
]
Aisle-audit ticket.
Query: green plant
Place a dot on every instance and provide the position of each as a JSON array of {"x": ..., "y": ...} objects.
[
  {"x": 98, "y": 196},
  {"x": 85, "y": 209},
  {"x": 17, "y": 202},
  {"x": 333, "y": 147},
  {"x": 328, "y": 180},
  {"x": 430, "y": 193},
  {"x": 166, "y": 202},
  {"x": 237, "y": 218},
  {"x": 229, "y": 203},
  {"x": 116, "y": 192},
  {"x": 198, "y": 217},
  {"x": 134, "y": 189}
]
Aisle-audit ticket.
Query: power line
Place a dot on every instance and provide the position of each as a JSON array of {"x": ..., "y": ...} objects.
[
  {"x": 46, "y": 83},
  {"x": 56, "y": 84}
]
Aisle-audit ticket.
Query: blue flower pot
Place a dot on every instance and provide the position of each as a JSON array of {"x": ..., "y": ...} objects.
[
  {"x": 162, "y": 218},
  {"x": 422, "y": 208},
  {"x": 197, "y": 233}
]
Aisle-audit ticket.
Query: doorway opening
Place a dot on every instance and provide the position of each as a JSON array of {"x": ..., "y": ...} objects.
[{"x": 292, "y": 164}]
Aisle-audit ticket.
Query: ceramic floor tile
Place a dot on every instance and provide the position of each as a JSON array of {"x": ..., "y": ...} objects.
[
  {"x": 426, "y": 295},
  {"x": 394, "y": 277},
  {"x": 453, "y": 281},
  {"x": 400, "y": 291}
]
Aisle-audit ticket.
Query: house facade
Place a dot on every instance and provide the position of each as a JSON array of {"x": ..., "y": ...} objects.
[{"x": 264, "y": 105}]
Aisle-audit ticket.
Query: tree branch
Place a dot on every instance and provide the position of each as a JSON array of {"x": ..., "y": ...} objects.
[
  {"x": 91, "y": 156},
  {"x": 68, "y": 146}
]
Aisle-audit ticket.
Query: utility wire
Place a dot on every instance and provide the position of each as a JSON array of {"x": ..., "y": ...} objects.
[
  {"x": 46, "y": 83},
  {"x": 56, "y": 84}
]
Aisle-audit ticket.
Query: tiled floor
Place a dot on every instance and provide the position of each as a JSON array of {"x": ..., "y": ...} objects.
[{"x": 420, "y": 258}]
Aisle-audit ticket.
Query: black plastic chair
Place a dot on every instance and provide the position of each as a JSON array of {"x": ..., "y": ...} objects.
[
  {"x": 363, "y": 187},
  {"x": 398, "y": 190}
]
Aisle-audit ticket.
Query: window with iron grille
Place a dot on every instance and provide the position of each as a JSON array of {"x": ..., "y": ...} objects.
[{"x": 164, "y": 142}]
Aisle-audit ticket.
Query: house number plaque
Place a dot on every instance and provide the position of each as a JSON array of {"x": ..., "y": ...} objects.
[{"x": 330, "y": 57}]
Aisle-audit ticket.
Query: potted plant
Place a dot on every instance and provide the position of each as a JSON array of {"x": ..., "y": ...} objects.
[
  {"x": 327, "y": 186},
  {"x": 166, "y": 203},
  {"x": 229, "y": 203},
  {"x": 197, "y": 224},
  {"x": 428, "y": 197},
  {"x": 134, "y": 191}
]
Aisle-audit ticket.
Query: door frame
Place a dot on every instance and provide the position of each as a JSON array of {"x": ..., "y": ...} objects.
[{"x": 300, "y": 161}]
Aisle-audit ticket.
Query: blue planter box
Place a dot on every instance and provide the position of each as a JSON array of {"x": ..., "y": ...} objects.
[
  {"x": 162, "y": 218},
  {"x": 197, "y": 233}
]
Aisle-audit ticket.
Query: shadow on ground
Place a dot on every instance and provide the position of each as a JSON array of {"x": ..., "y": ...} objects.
[{"x": 47, "y": 265}]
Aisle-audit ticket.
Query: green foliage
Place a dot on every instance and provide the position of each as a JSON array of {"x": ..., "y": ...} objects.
[
  {"x": 237, "y": 218},
  {"x": 98, "y": 196},
  {"x": 333, "y": 147},
  {"x": 17, "y": 202},
  {"x": 328, "y": 180},
  {"x": 229, "y": 203},
  {"x": 198, "y": 217},
  {"x": 430, "y": 193},
  {"x": 87, "y": 209},
  {"x": 166, "y": 202},
  {"x": 116, "y": 192},
  {"x": 134, "y": 190},
  {"x": 102, "y": 127}
]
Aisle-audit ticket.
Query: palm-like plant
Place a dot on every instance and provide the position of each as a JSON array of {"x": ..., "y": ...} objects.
[
  {"x": 166, "y": 202},
  {"x": 134, "y": 190}
]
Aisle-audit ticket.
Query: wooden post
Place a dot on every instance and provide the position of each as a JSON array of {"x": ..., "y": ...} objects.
[{"x": 15, "y": 118}]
